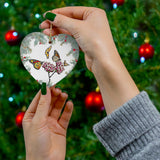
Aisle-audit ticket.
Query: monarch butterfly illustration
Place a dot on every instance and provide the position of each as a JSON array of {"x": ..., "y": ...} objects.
[
  {"x": 47, "y": 51},
  {"x": 65, "y": 63},
  {"x": 56, "y": 56},
  {"x": 36, "y": 64}
]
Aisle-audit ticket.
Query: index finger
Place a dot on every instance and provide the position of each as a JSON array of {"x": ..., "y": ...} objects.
[{"x": 74, "y": 12}]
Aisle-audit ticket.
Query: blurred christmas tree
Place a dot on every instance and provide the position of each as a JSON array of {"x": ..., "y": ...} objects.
[{"x": 132, "y": 23}]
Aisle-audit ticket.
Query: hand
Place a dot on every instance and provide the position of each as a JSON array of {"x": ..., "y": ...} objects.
[
  {"x": 44, "y": 128},
  {"x": 89, "y": 26}
]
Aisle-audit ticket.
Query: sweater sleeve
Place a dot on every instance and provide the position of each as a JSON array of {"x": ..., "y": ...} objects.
[{"x": 132, "y": 132}]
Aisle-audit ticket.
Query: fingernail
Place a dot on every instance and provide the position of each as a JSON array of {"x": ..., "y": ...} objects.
[
  {"x": 58, "y": 87},
  {"x": 40, "y": 26},
  {"x": 50, "y": 16},
  {"x": 64, "y": 91},
  {"x": 43, "y": 89},
  {"x": 70, "y": 100}
]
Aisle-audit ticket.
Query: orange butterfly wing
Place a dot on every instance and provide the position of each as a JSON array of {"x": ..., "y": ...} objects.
[
  {"x": 47, "y": 51},
  {"x": 36, "y": 64}
]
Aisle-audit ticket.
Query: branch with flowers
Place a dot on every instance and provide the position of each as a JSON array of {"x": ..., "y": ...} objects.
[{"x": 51, "y": 69}]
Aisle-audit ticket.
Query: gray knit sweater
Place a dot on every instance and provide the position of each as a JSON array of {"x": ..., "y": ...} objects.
[{"x": 132, "y": 132}]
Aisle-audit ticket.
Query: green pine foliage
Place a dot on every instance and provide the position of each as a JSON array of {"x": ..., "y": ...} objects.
[{"x": 134, "y": 16}]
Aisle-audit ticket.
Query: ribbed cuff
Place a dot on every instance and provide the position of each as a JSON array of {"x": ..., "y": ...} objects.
[{"x": 122, "y": 132}]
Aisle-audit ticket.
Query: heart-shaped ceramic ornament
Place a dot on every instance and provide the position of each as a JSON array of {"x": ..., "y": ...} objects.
[{"x": 49, "y": 62}]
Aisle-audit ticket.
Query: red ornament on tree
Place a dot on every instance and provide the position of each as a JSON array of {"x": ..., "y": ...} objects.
[
  {"x": 118, "y": 2},
  {"x": 19, "y": 119},
  {"x": 94, "y": 102},
  {"x": 146, "y": 50},
  {"x": 12, "y": 37}
]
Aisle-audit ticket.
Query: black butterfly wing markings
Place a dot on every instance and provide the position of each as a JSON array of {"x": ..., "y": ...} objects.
[{"x": 36, "y": 64}]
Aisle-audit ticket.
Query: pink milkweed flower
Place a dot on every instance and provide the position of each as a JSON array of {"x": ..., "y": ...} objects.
[{"x": 48, "y": 67}]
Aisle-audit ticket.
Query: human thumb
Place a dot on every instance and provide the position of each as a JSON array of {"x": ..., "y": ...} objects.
[
  {"x": 43, "y": 105},
  {"x": 64, "y": 22}
]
